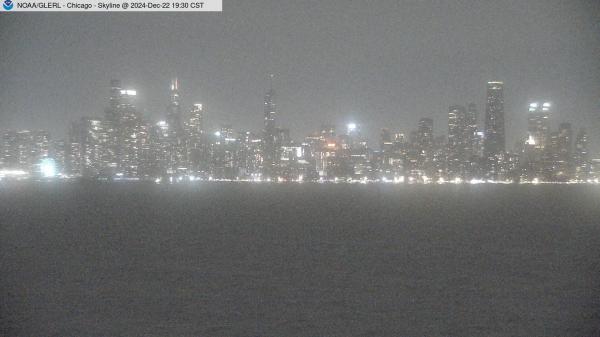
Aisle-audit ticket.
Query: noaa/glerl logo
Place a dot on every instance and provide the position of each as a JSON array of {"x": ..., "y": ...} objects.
[{"x": 8, "y": 5}]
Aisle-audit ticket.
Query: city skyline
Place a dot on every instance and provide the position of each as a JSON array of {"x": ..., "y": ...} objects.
[
  {"x": 211, "y": 121},
  {"x": 391, "y": 63},
  {"x": 125, "y": 144}
]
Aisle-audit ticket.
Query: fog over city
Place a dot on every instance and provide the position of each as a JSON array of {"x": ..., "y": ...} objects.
[{"x": 380, "y": 65}]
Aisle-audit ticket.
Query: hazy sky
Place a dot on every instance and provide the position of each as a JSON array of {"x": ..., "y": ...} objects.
[{"x": 378, "y": 63}]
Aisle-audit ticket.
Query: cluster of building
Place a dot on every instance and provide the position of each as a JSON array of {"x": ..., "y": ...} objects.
[{"x": 124, "y": 145}]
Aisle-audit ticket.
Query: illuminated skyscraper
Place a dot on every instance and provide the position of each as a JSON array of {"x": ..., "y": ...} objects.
[
  {"x": 457, "y": 140},
  {"x": 424, "y": 145},
  {"x": 581, "y": 156},
  {"x": 425, "y": 133},
  {"x": 494, "y": 143},
  {"x": 174, "y": 118},
  {"x": 177, "y": 163},
  {"x": 538, "y": 125},
  {"x": 197, "y": 143},
  {"x": 270, "y": 135},
  {"x": 471, "y": 138},
  {"x": 125, "y": 133}
]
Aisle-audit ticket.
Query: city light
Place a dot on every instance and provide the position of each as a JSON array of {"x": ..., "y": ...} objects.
[
  {"x": 12, "y": 173},
  {"x": 177, "y": 148},
  {"x": 129, "y": 92},
  {"x": 48, "y": 168}
]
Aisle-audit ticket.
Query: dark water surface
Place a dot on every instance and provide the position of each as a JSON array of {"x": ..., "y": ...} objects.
[{"x": 299, "y": 260}]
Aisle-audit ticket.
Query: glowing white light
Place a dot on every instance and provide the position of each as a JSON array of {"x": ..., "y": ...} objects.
[
  {"x": 218, "y": 133},
  {"x": 162, "y": 123},
  {"x": 12, "y": 173},
  {"x": 351, "y": 127},
  {"x": 535, "y": 181},
  {"x": 531, "y": 140},
  {"x": 48, "y": 168},
  {"x": 457, "y": 180},
  {"x": 129, "y": 92},
  {"x": 534, "y": 105},
  {"x": 547, "y": 105}
]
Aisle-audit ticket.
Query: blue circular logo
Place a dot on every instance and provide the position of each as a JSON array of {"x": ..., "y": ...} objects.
[{"x": 8, "y": 5}]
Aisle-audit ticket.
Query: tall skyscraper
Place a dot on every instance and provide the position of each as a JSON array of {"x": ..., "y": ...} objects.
[
  {"x": 423, "y": 147},
  {"x": 177, "y": 163},
  {"x": 124, "y": 131},
  {"x": 471, "y": 137},
  {"x": 565, "y": 141},
  {"x": 270, "y": 134},
  {"x": 538, "y": 125},
  {"x": 425, "y": 132},
  {"x": 457, "y": 140},
  {"x": 581, "y": 156},
  {"x": 197, "y": 142},
  {"x": 174, "y": 118},
  {"x": 495, "y": 141}
]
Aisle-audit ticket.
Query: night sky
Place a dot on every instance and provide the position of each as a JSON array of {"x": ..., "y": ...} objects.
[{"x": 377, "y": 63}]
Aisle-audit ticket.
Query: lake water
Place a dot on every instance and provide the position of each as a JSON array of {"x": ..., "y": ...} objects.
[{"x": 299, "y": 260}]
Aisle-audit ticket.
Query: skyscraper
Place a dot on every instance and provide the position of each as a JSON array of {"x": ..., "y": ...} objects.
[
  {"x": 174, "y": 118},
  {"x": 538, "y": 125},
  {"x": 270, "y": 157},
  {"x": 581, "y": 156},
  {"x": 457, "y": 140},
  {"x": 177, "y": 163},
  {"x": 425, "y": 133},
  {"x": 471, "y": 137},
  {"x": 124, "y": 132},
  {"x": 494, "y": 143},
  {"x": 197, "y": 144}
]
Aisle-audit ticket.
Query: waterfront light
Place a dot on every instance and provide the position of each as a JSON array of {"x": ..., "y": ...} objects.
[
  {"x": 48, "y": 168},
  {"x": 12, "y": 173}
]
